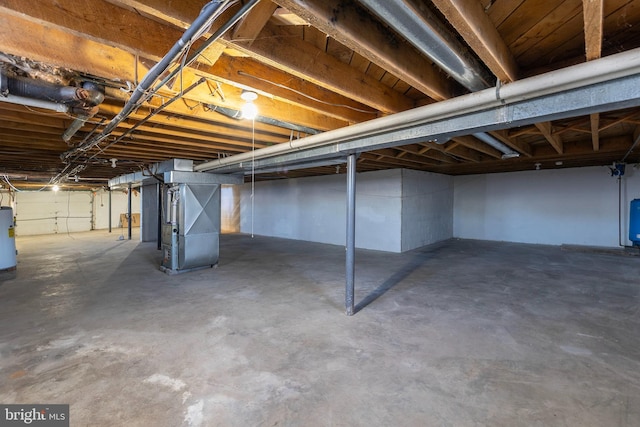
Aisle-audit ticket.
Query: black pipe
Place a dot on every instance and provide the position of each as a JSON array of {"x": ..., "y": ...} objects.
[
  {"x": 4, "y": 88},
  {"x": 214, "y": 37},
  {"x": 84, "y": 98},
  {"x": 141, "y": 93}
]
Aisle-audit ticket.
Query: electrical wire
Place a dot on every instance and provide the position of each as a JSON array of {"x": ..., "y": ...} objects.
[
  {"x": 149, "y": 116},
  {"x": 146, "y": 92},
  {"x": 242, "y": 73},
  {"x": 183, "y": 61},
  {"x": 17, "y": 190}
]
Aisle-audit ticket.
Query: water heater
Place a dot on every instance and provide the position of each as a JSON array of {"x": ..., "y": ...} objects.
[
  {"x": 7, "y": 239},
  {"x": 634, "y": 222}
]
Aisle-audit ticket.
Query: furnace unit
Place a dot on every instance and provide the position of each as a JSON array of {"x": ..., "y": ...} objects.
[
  {"x": 188, "y": 212},
  {"x": 191, "y": 231}
]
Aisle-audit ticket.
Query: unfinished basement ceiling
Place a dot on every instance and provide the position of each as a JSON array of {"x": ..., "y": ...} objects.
[{"x": 316, "y": 65}]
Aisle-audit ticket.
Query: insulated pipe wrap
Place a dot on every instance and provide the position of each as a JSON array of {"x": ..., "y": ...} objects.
[
  {"x": 4, "y": 89},
  {"x": 38, "y": 89},
  {"x": 83, "y": 99}
]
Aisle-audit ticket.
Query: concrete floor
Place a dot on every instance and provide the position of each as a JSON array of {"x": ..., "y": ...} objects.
[{"x": 466, "y": 333}]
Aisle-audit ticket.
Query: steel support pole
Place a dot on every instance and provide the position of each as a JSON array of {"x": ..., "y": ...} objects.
[
  {"x": 351, "y": 234},
  {"x": 129, "y": 212},
  {"x": 159, "y": 216},
  {"x": 109, "y": 210}
]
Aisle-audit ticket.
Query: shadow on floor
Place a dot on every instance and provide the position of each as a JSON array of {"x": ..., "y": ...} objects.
[
  {"x": 416, "y": 261},
  {"x": 6, "y": 275}
]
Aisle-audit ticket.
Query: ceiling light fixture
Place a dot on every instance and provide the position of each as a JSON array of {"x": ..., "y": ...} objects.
[
  {"x": 249, "y": 110},
  {"x": 55, "y": 188}
]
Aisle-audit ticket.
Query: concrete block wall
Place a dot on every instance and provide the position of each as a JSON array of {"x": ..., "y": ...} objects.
[
  {"x": 427, "y": 208},
  {"x": 560, "y": 206},
  {"x": 314, "y": 209},
  {"x": 396, "y": 210}
]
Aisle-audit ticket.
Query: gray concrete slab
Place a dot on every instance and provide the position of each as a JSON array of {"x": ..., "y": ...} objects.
[{"x": 467, "y": 333}]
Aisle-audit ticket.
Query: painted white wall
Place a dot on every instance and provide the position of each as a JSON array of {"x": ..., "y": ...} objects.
[
  {"x": 119, "y": 202},
  {"x": 562, "y": 206},
  {"x": 427, "y": 208},
  {"x": 314, "y": 209}
]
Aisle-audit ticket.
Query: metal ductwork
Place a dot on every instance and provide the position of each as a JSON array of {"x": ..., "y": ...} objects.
[
  {"x": 430, "y": 36},
  {"x": 424, "y": 31},
  {"x": 237, "y": 114},
  {"x": 594, "y": 86},
  {"x": 508, "y": 153}
]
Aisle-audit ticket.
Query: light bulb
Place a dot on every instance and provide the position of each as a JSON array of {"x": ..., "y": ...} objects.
[
  {"x": 249, "y": 111},
  {"x": 55, "y": 188}
]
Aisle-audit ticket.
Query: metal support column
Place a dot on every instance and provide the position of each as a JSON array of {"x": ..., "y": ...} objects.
[
  {"x": 109, "y": 210},
  {"x": 129, "y": 212},
  {"x": 351, "y": 234},
  {"x": 159, "y": 216}
]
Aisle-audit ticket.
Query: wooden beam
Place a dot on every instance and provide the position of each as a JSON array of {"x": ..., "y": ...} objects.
[
  {"x": 547, "y": 130},
  {"x": 100, "y": 21},
  {"x": 593, "y": 28},
  {"x": 475, "y": 27},
  {"x": 287, "y": 52},
  {"x": 390, "y": 159},
  {"x": 168, "y": 11},
  {"x": 178, "y": 115},
  {"x": 503, "y": 136},
  {"x": 455, "y": 149},
  {"x": 593, "y": 32},
  {"x": 344, "y": 22},
  {"x": 58, "y": 48},
  {"x": 64, "y": 44},
  {"x": 252, "y": 23},
  {"x": 249, "y": 73},
  {"x": 471, "y": 142},
  {"x": 626, "y": 118},
  {"x": 427, "y": 152}
]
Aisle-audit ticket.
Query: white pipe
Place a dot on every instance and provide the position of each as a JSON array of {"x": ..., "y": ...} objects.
[
  {"x": 38, "y": 103},
  {"x": 597, "y": 71}
]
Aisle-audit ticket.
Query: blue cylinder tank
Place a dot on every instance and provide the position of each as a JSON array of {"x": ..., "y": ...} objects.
[{"x": 634, "y": 222}]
